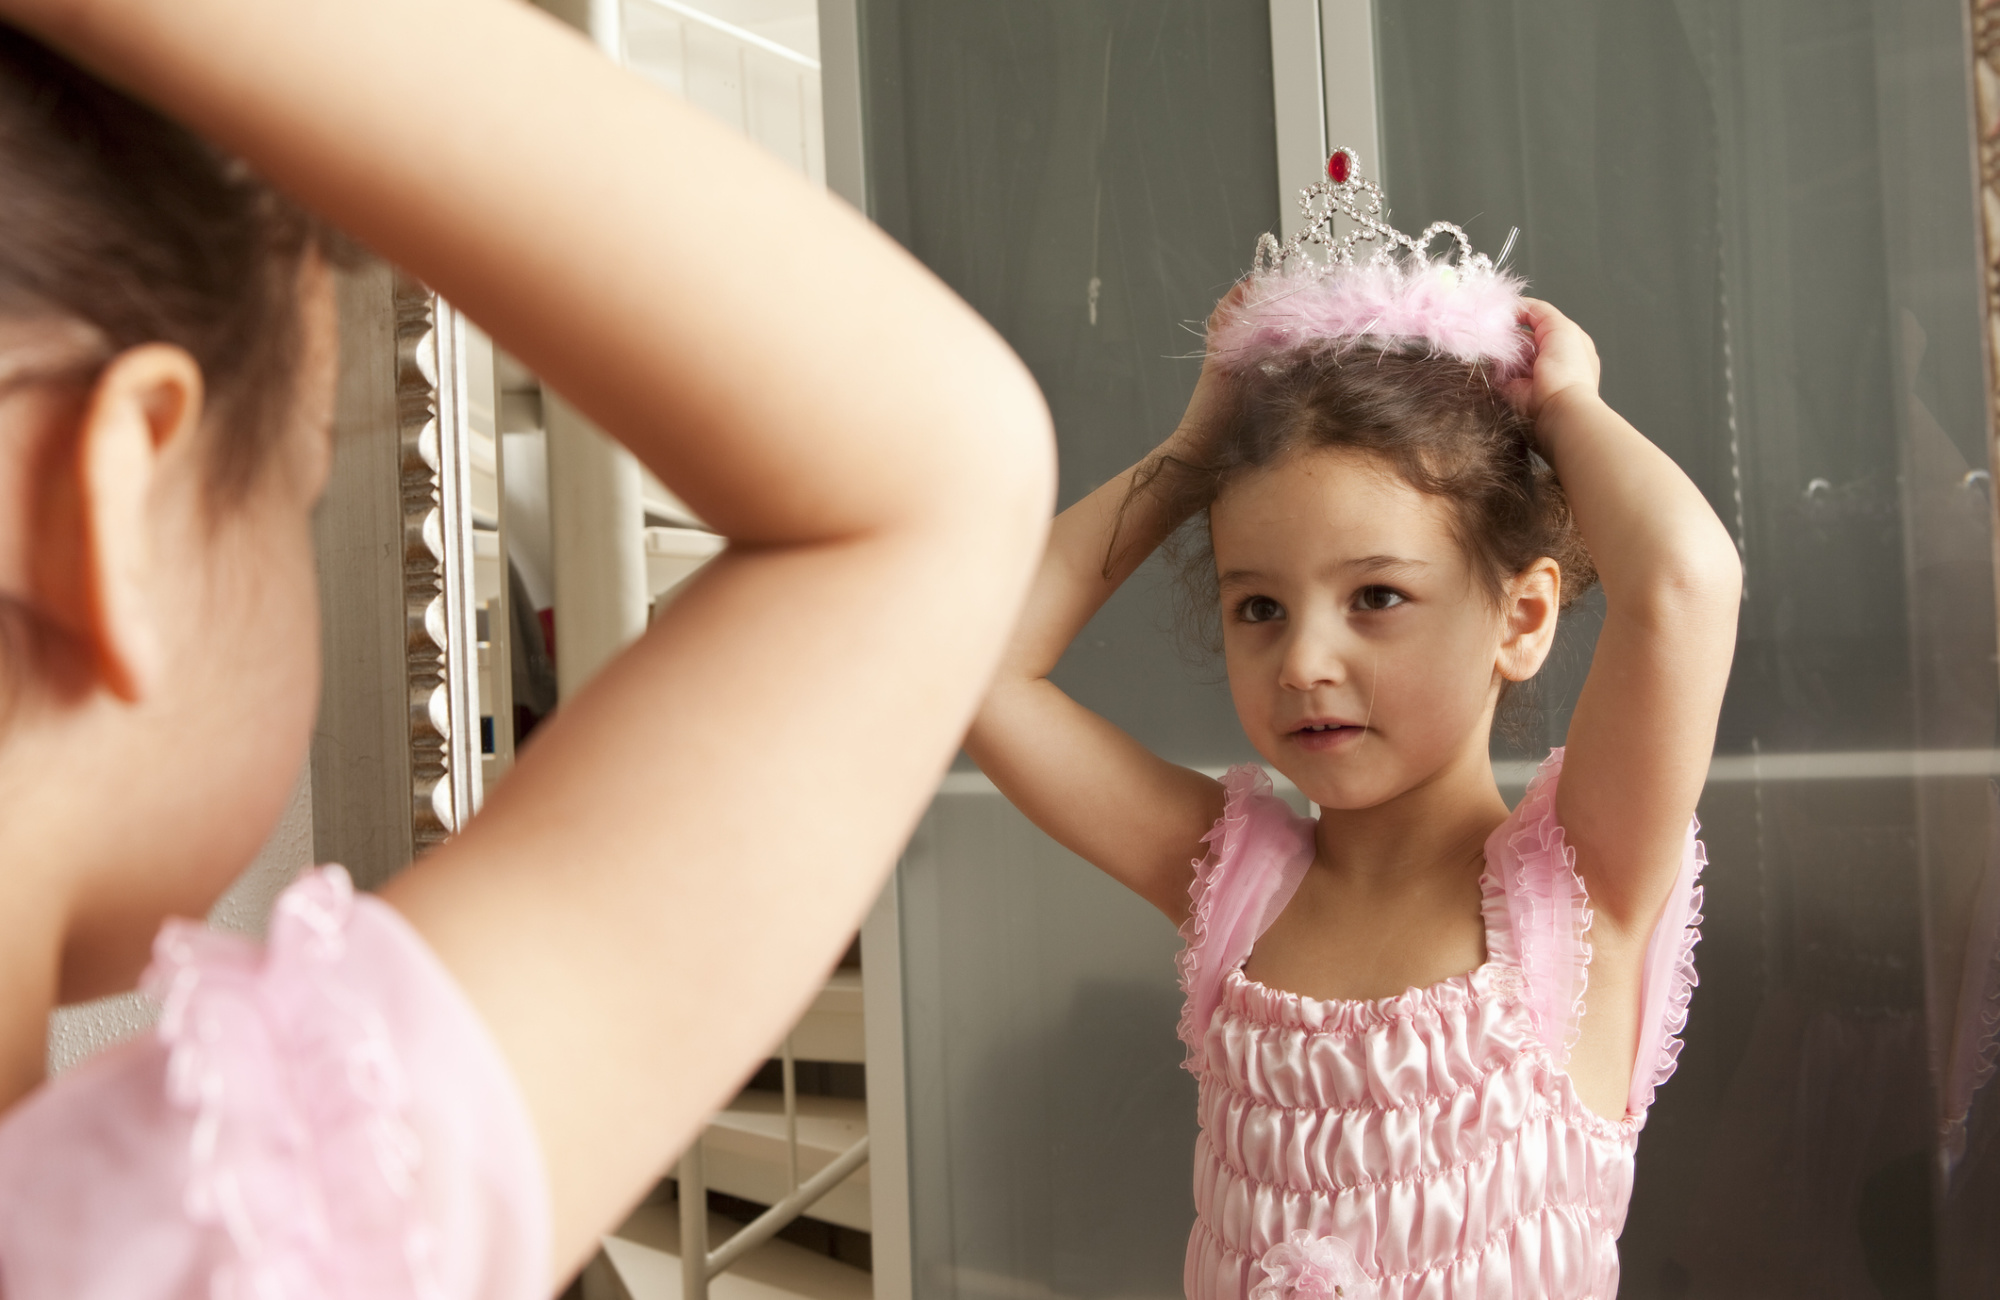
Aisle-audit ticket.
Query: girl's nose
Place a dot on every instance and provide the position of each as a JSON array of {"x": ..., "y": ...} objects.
[{"x": 1311, "y": 658}]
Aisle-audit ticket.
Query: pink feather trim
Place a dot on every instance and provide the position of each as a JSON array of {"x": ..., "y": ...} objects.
[{"x": 1468, "y": 313}]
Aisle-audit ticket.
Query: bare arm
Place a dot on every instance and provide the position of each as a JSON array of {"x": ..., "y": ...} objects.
[
  {"x": 676, "y": 861},
  {"x": 1088, "y": 784},
  {"x": 1644, "y": 727}
]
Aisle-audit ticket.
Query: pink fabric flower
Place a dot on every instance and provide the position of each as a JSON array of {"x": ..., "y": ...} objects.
[{"x": 1305, "y": 1267}]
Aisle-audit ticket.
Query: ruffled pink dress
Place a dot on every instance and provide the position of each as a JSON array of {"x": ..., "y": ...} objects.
[
  {"x": 324, "y": 1118},
  {"x": 1428, "y": 1145}
]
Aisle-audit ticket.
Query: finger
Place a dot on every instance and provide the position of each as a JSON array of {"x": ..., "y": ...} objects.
[
  {"x": 1534, "y": 319},
  {"x": 1545, "y": 317}
]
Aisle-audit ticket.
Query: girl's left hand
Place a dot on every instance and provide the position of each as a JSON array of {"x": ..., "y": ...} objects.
[{"x": 1565, "y": 358}]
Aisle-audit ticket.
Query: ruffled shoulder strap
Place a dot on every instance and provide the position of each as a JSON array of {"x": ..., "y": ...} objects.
[
  {"x": 1538, "y": 920},
  {"x": 322, "y": 1118},
  {"x": 1258, "y": 851},
  {"x": 1668, "y": 984}
]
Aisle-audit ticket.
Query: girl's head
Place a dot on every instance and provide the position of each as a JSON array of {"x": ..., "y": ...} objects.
[
  {"x": 129, "y": 226},
  {"x": 1387, "y": 554},
  {"x": 166, "y": 361}
]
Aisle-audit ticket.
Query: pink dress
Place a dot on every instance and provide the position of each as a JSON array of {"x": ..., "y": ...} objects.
[
  {"x": 322, "y": 1119},
  {"x": 1428, "y": 1145}
]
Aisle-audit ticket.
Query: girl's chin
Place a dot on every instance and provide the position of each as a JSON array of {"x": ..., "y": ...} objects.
[{"x": 1348, "y": 775}]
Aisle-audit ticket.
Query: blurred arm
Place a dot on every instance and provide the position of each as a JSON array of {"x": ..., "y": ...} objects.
[{"x": 675, "y": 863}]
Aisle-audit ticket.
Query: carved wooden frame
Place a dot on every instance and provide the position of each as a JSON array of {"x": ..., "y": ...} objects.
[
  {"x": 1986, "y": 143},
  {"x": 1985, "y": 34},
  {"x": 434, "y": 446}
]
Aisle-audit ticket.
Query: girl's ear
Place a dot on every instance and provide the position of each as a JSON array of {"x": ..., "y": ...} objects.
[
  {"x": 1528, "y": 619},
  {"x": 95, "y": 567}
]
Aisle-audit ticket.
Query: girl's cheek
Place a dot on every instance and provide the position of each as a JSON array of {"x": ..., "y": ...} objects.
[{"x": 1253, "y": 686}]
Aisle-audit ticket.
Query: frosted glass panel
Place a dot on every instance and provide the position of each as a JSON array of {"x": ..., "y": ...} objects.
[{"x": 1764, "y": 215}]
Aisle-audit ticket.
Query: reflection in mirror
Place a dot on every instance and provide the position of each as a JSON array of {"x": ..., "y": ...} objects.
[
  {"x": 513, "y": 543},
  {"x": 492, "y": 608},
  {"x": 1765, "y": 215}
]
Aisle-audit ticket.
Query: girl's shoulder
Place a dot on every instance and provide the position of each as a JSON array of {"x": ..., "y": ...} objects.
[
  {"x": 1538, "y": 920},
  {"x": 1258, "y": 851},
  {"x": 322, "y": 1116}
]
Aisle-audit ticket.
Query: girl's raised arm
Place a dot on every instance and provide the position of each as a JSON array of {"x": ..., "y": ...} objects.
[
  {"x": 1087, "y": 783},
  {"x": 681, "y": 853},
  {"x": 1644, "y": 726}
]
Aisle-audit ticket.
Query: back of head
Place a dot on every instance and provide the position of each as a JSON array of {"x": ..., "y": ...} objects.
[{"x": 125, "y": 222}]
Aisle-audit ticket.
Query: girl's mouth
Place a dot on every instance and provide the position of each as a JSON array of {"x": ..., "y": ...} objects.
[{"x": 1322, "y": 736}]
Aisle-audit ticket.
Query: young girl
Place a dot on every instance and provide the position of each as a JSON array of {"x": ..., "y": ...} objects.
[
  {"x": 453, "y": 1090},
  {"x": 1426, "y": 1029}
]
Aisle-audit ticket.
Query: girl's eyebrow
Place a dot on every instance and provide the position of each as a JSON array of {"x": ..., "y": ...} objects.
[
  {"x": 1384, "y": 563},
  {"x": 1369, "y": 564}
]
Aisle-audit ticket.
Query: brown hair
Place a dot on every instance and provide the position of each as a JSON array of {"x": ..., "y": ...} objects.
[
  {"x": 1438, "y": 422},
  {"x": 122, "y": 220}
]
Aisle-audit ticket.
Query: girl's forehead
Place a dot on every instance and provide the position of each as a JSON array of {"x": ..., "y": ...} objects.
[{"x": 1328, "y": 506}]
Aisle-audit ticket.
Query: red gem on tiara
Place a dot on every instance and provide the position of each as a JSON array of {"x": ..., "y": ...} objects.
[{"x": 1337, "y": 168}]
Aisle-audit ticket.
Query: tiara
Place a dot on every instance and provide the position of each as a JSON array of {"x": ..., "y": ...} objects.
[{"x": 1460, "y": 305}]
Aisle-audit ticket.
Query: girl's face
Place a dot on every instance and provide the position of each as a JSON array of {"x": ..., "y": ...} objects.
[{"x": 1364, "y": 656}]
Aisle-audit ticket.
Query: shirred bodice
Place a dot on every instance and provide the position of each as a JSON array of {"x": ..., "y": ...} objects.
[{"x": 1426, "y": 1145}]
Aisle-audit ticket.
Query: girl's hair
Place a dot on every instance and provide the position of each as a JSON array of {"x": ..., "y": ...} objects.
[
  {"x": 128, "y": 223},
  {"x": 1436, "y": 421}
]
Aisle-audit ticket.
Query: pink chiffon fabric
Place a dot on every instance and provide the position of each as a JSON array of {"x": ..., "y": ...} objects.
[
  {"x": 1428, "y": 1145},
  {"x": 322, "y": 1118}
]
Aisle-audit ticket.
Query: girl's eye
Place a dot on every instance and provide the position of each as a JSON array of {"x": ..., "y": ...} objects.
[
  {"x": 1259, "y": 609},
  {"x": 1374, "y": 598}
]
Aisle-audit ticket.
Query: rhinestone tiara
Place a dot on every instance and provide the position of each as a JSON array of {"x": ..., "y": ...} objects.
[
  {"x": 1346, "y": 192},
  {"x": 1399, "y": 296}
]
